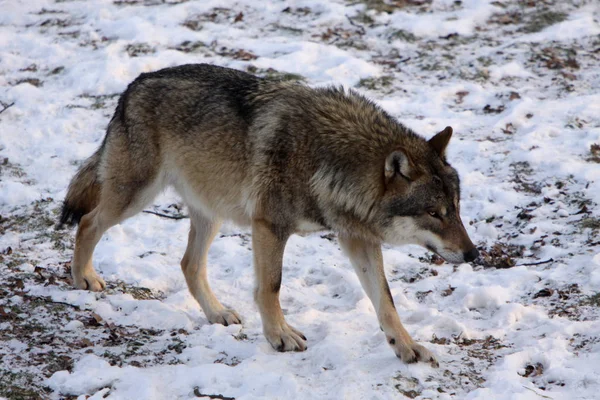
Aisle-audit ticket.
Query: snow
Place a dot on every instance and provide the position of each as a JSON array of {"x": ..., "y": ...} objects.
[
  {"x": 73, "y": 325},
  {"x": 528, "y": 152}
]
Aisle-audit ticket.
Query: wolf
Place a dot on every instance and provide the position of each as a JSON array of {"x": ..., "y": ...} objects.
[{"x": 282, "y": 158}]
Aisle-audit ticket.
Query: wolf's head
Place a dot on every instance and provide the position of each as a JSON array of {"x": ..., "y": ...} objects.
[{"x": 422, "y": 200}]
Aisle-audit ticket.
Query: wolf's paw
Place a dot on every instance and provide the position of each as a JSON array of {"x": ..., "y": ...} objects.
[
  {"x": 225, "y": 317},
  {"x": 284, "y": 337},
  {"x": 90, "y": 281},
  {"x": 413, "y": 352}
]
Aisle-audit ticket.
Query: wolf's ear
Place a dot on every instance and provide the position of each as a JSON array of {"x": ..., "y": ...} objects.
[
  {"x": 397, "y": 163},
  {"x": 440, "y": 141}
]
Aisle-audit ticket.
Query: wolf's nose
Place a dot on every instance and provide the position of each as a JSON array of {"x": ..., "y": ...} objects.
[{"x": 471, "y": 255}]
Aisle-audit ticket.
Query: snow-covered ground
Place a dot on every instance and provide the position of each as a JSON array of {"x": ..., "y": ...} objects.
[{"x": 517, "y": 80}]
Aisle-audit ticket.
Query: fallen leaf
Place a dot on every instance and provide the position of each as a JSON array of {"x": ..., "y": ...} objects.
[
  {"x": 460, "y": 96},
  {"x": 448, "y": 292},
  {"x": 509, "y": 129},
  {"x": 244, "y": 55},
  {"x": 534, "y": 371},
  {"x": 96, "y": 320},
  {"x": 488, "y": 109},
  {"x": 38, "y": 270},
  {"x": 546, "y": 292}
]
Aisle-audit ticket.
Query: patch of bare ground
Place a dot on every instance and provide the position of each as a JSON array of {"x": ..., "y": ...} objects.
[{"x": 40, "y": 335}]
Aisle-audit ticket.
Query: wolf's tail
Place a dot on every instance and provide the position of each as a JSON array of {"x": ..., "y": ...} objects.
[{"x": 84, "y": 191}]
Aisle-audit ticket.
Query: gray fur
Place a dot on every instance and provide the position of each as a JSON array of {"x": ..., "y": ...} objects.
[{"x": 274, "y": 155}]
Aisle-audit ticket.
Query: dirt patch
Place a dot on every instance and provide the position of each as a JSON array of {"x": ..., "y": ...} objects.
[
  {"x": 139, "y": 49},
  {"x": 522, "y": 172},
  {"x": 382, "y": 83},
  {"x": 594, "y": 153},
  {"x": 500, "y": 255},
  {"x": 273, "y": 74}
]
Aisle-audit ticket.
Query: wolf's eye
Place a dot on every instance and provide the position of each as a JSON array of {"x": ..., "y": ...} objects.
[{"x": 434, "y": 214}]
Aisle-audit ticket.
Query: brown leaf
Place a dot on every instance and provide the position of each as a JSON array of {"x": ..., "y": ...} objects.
[
  {"x": 460, "y": 96},
  {"x": 441, "y": 340},
  {"x": 509, "y": 129},
  {"x": 546, "y": 292},
  {"x": 32, "y": 81},
  {"x": 46, "y": 339},
  {"x": 67, "y": 267},
  {"x": 448, "y": 292},
  {"x": 31, "y": 68},
  {"x": 524, "y": 214},
  {"x": 244, "y": 55},
  {"x": 534, "y": 371},
  {"x": 488, "y": 109},
  {"x": 500, "y": 255},
  {"x": 113, "y": 336},
  {"x": 95, "y": 320},
  {"x": 572, "y": 63},
  {"x": 327, "y": 35},
  {"x": 39, "y": 270}
]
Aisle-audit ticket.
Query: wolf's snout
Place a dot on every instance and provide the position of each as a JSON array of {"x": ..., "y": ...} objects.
[{"x": 471, "y": 255}]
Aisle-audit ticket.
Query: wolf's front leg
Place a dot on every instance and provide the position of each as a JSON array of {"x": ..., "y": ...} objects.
[
  {"x": 367, "y": 260},
  {"x": 268, "y": 245}
]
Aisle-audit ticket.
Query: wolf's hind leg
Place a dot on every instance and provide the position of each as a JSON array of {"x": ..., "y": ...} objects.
[
  {"x": 118, "y": 202},
  {"x": 193, "y": 264},
  {"x": 112, "y": 210},
  {"x": 367, "y": 260},
  {"x": 268, "y": 259},
  {"x": 125, "y": 191},
  {"x": 89, "y": 232}
]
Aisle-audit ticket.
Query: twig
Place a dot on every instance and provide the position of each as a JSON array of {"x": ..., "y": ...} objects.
[
  {"x": 66, "y": 304},
  {"x": 536, "y": 263},
  {"x": 541, "y": 395},
  {"x": 166, "y": 215},
  {"x": 48, "y": 299},
  {"x": 362, "y": 28},
  {"x": 34, "y": 237},
  {"x": 197, "y": 393},
  {"x": 6, "y": 107}
]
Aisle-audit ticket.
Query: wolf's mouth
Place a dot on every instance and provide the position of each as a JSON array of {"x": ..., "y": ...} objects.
[
  {"x": 433, "y": 250},
  {"x": 449, "y": 257}
]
